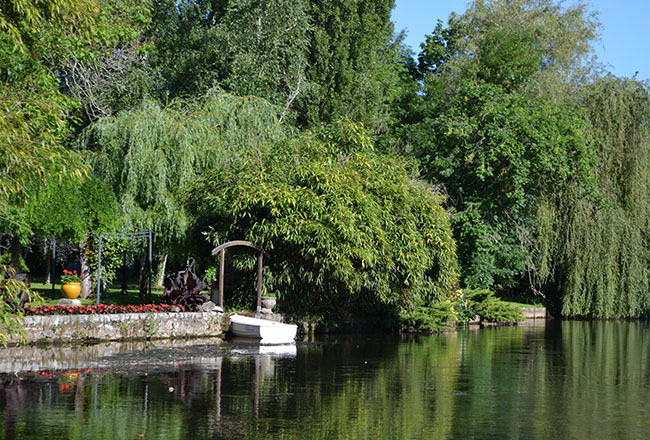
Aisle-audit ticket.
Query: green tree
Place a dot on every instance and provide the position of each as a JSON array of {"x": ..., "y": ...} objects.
[
  {"x": 349, "y": 231},
  {"x": 32, "y": 110},
  {"x": 353, "y": 65},
  {"x": 109, "y": 73},
  {"x": 150, "y": 155},
  {"x": 491, "y": 134},
  {"x": 246, "y": 47},
  {"x": 68, "y": 210},
  {"x": 594, "y": 254}
]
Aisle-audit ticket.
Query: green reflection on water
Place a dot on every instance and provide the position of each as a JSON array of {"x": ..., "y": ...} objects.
[{"x": 564, "y": 380}]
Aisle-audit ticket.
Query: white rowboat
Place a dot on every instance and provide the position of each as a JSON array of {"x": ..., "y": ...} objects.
[{"x": 268, "y": 331}]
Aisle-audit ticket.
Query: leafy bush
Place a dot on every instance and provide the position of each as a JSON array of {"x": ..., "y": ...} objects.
[
  {"x": 435, "y": 317},
  {"x": 347, "y": 228},
  {"x": 14, "y": 294},
  {"x": 490, "y": 308},
  {"x": 5, "y": 259}
]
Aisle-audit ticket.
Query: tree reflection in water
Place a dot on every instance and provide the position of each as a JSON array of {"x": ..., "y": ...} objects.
[{"x": 568, "y": 379}]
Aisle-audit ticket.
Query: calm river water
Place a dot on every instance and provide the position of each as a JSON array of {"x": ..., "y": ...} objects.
[{"x": 565, "y": 380}]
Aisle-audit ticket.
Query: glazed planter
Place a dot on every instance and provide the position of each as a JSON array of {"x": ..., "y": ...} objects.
[{"x": 71, "y": 290}]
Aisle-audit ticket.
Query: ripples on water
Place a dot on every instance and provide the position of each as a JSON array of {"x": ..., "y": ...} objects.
[{"x": 562, "y": 380}]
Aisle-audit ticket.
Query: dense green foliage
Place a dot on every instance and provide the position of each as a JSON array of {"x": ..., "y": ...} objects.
[
  {"x": 151, "y": 154},
  {"x": 543, "y": 160},
  {"x": 318, "y": 60},
  {"x": 338, "y": 239},
  {"x": 13, "y": 294},
  {"x": 351, "y": 65},
  {"x": 598, "y": 254},
  {"x": 32, "y": 109},
  {"x": 245, "y": 47},
  {"x": 490, "y": 308},
  {"x": 499, "y": 158},
  {"x": 497, "y": 146}
]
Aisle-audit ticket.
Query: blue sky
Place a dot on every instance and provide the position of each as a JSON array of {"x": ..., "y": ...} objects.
[{"x": 625, "y": 41}]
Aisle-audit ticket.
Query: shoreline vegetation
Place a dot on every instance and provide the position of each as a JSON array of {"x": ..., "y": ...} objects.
[
  {"x": 500, "y": 163},
  {"x": 56, "y": 325}
]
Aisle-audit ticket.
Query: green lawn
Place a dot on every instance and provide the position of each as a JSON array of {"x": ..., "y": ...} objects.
[{"x": 113, "y": 296}]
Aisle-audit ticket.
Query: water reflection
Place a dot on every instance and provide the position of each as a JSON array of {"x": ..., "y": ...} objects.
[{"x": 571, "y": 380}]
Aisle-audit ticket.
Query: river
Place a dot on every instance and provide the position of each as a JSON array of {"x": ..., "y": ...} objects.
[{"x": 566, "y": 380}]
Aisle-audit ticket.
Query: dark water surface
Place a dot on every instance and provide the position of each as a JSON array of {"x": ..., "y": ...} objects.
[{"x": 565, "y": 380}]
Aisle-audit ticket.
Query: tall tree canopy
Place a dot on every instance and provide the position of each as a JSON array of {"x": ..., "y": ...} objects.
[
  {"x": 352, "y": 65},
  {"x": 151, "y": 154},
  {"x": 496, "y": 141},
  {"x": 595, "y": 254},
  {"x": 39, "y": 42},
  {"x": 319, "y": 60},
  {"x": 246, "y": 47},
  {"x": 32, "y": 109}
]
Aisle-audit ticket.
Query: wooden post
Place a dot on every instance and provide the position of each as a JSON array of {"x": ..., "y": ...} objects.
[
  {"x": 259, "y": 281},
  {"x": 222, "y": 261}
]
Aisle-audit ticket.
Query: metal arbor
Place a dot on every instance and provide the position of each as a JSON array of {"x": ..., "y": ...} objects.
[{"x": 221, "y": 250}]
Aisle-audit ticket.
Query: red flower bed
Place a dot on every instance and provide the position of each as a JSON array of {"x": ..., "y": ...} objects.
[{"x": 100, "y": 309}]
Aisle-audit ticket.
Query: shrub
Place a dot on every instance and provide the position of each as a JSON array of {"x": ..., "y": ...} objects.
[
  {"x": 490, "y": 308},
  {"x": 14, "y": 294},
  {"x": 347, "y": 228}
]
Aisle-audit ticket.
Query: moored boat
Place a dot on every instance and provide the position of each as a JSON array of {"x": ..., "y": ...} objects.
[{"x": 267, "y": 331}]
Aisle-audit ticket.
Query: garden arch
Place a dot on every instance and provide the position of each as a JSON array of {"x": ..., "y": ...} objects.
[{"x": 221, "y": 250}]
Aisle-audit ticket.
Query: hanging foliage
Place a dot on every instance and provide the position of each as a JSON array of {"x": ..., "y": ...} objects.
[
  {"x": 14, "y": 294},
  {"x": 151, "y": 154},
  {"x": 595, "y": 254}
]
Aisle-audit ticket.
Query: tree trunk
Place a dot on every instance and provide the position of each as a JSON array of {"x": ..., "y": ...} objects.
[
  {"x": 16, "y": 251},
  {"x": 48, "y": 263},
  {"x": 144, "y": 278},
  {"x": 86, "y": 281},
  {"x": 160, "y": 276}
]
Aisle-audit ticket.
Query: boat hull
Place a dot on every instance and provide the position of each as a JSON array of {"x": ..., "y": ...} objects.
[{"x": 266, "y": 331}]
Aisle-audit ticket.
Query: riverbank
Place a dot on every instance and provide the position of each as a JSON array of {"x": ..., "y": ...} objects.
[{"x": 79, "y": 329}]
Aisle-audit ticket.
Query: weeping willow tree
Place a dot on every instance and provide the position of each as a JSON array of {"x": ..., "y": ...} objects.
[
  {"x": 595, "y": 254},
  {"x": 149, "y": 155}
]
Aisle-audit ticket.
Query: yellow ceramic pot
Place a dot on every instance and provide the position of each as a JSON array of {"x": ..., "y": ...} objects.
[{"x": 71, "y": 290}]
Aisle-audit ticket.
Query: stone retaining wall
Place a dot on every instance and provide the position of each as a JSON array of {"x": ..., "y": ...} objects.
[
  {"x": 117, "y": 327},
  {"x": 534, "y": 312}
]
